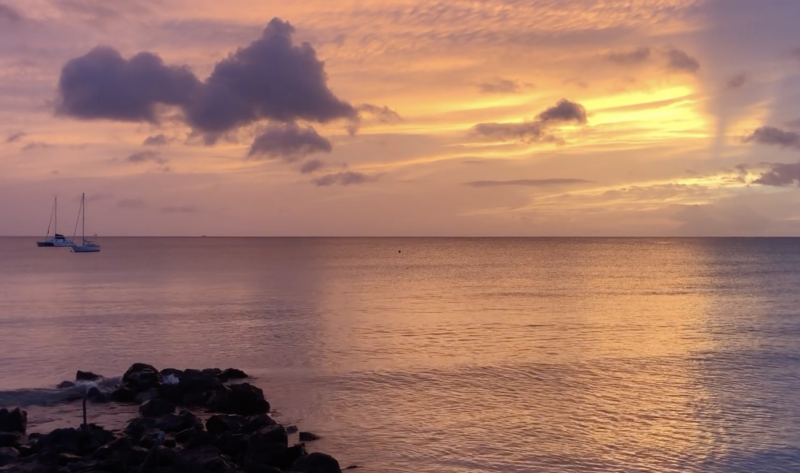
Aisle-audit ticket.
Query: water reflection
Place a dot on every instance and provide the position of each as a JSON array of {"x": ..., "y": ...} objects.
[{"x": 454, "y": 355}]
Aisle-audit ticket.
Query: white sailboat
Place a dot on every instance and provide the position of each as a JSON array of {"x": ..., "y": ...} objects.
[
  {"x": 58, "y": 240},
  {"x": 86, "y": 246}
]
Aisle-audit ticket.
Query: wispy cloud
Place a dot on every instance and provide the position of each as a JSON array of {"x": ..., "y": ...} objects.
[
  {"x": 345, "y": 178},
  {"x": 528, "y": 182},
  {"x": 179, "y": 209},
  {"x": 680, "y": 61},
  {"x": 130, "y": 204},
  {"x": 9, "y": 14},
  {"x": 635, "y": 56},
  {"x": 146, "y": 157},
  {"x": 14, "y": 137}
]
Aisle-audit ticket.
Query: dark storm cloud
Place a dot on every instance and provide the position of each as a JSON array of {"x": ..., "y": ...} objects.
[
  {"x": 344, "y": 178},
  {"x": 156, "y": 140},
  {"x": 9, "y": 14},
  {"x": 780, "y": 175},
  {"x": 770, "y": 135},
  {"x": 130, "y": 204},
  {"x": 564, "y": 111},
  {"x": 14, "y": 137},
  {"x": 680, "y": 61},
  {"x": 104, "y": 85},
  {"x": 289, "y": 142},
  {"x": 636, "y": 56},
  {"x": 272, "y": 79},
  {"x": 179, "y": 209},
  {"x": 528, "y": 182},
  {"x": 736, "y": 82},
  {"x": 146, "y": 157},
  {"x": 311, "y": 165},
  {"x": 534, "y": 131},
  {"x": 499, "y": 86}
]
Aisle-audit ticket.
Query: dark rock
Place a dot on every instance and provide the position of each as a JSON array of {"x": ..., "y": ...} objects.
[
  {"x": 291, "y": 429},
  {"x": 137, "y": 427},
  {"x": 67, "y": 458},
  {"x": 351, "y": 467},
  {"x": 256, "y": 468},
  {"x": 255, "y": 423},
  {"x": 26, "y": 450},
  {"x": 243, "y": 399},
  {"x": 204, "y": 459},
  {"x": 179, "y": 422},
  {"x": 169, "y": 443},
  {"x": 124, "y": 393},
  {"x": 316, "y": 463},
  {"x": 218, "y": 424},
  {"x": 119, "y": 455},
  {"x": 308, "y": 437},
  {"x": 200, "y": 438},
  {"x": 233, "y": 445},
  {"x": 232, "y": 373},
  {"x": 195, "y": 399},
  {"x": 8, "y": 455},
  {"x": 194, "y": 381},
  {"x": 75, "y": 441},
  {"x": 87, "y": 376},
  {"x": 141, "y": 377},
  {"x": 170, "y": 372},
  {"x": 13, "y": 421},
  {"x": 185, "y": 435},
  {"x": 291, "y": 455},
  {"x": 156, "y": 408},
  {"x": 171, "y": 392},
  {"x": 216, "y": 372},
  {"x": 144, "y": 396},
  {"x": 272, "y": 434},
  {"x": 11, "y": 439},
  {"x": 65, "y": 385}
]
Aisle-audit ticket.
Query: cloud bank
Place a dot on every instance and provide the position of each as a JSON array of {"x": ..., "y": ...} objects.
[{"x": 534, "y": 131}]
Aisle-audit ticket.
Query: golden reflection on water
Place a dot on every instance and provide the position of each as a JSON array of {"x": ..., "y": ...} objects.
[{"x": 451, "y": 355}]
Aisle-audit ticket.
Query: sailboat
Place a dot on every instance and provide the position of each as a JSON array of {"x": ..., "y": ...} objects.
[
  {"x": 58, "y": 239},
  {"x": 86, "y": 246}
]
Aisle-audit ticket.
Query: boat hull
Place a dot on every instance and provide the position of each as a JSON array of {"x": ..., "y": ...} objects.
[
  {"x": 55, "y": 244},
  {"x": 85, "y": 249}
]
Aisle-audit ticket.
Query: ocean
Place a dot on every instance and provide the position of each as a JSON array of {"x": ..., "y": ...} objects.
[{"x": 439, "y": 355}]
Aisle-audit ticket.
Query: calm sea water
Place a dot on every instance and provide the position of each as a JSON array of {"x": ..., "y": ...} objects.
[{"x": 442, "y": 355}]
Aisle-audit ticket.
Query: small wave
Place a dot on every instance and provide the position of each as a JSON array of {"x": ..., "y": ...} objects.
[{"x": 46, "y": 397}]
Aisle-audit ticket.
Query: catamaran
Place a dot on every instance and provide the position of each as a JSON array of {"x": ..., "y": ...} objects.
[
  {"x": 86, "y": 246},
  {"x": 58, "y": 239}
]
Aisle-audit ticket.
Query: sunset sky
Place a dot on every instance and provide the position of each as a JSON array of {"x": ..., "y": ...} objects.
[{"x": 401, "y": 117}]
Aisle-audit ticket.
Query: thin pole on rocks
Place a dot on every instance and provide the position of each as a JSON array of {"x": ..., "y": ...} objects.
[{"x": 84, "y": 411}]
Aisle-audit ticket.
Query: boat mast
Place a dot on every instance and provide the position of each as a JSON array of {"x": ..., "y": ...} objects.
[
  {"x": 55, "y": 213},
  {"x": 83, "y": 219}
]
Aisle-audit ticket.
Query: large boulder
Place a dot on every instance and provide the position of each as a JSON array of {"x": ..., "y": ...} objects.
[
  {"x": 243, "y": 399},
  {"x": 195, "y": 381},
  {"x": 269, "y": 446},
  {"x": 141, "y": 377},
  {"x": 124, "y": 393},
  {"x": 176, "y": 423},
  {"x": 255, "y": 423},
  {"x": 11, "y": 439},
  {"x": 80, "y": 442},
  {"x": 8, "y": 455},
  {"x": 316, "y": 463},
  {"x": 218, "y": 424},
  {"x": 13, "y": 421},
  {"x": 232, "y": 373},
  {"x": 156, "y": 408}
]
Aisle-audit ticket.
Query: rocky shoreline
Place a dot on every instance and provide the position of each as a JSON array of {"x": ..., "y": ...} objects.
[{"x": 167, "y": 436}]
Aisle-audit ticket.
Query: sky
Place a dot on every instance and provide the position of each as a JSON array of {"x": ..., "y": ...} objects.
[{"x": 401, "y": 117}]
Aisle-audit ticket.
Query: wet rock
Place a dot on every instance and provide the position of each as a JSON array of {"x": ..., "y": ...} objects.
[
  {"x": 144, "y": 396},
  {"x": 194, "y": 381},
  {"x": 185, "y": 435},
  {"x": 8, "y": 455},
  {"x": 11, "y": 439},
  {"x": 156, "y": 408},
  {"x": 167, "y": 372},
  {"x": 308, "y": 437},
  {"x": 272, "y": 434},
  {"x": 170, "y": 443},
  {"x": 75, "y": 441},
  {"x": 97, "y": 396},
  {"x": 67, "y": 458},
  {"x": 13, "y": 421},
  {"x": 216, "y": 372},
  {"x": 141, "y": 377},
  {"x": 243, "y": 399},
  {"x": 171, "y": 392},
  {"x": 137, "y": 427},
  {"x": 291, "y": 429},
  {"x": 218, "y": 424},
  {"x": 200, "y": 438},
  {"x": 204, "y": 459},
  {"x": 351, "y": 467},
  {"x": 257, "y": 422},
  {"x": 87, "y": 376},
  {"x": 316, "y": 463},
  {"x": 124, "y": 394},
  {"x": 65, "y": 385},
  {"x": 177, "y": 423},
  {"x": 232, "y": 373},
  {"x": 233, "y": 445}
]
